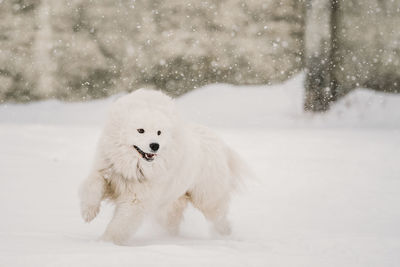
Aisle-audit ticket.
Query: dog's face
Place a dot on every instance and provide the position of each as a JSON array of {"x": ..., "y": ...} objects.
[
  {"x": 140, "y": 133},
  {"x": 149, "y": 134}
]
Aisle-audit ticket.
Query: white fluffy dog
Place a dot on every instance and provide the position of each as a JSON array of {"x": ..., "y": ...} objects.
[{"x": 149, "y": 160}]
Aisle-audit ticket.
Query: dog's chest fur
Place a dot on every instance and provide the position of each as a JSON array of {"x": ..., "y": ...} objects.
[{"x": 138, "y": 191}]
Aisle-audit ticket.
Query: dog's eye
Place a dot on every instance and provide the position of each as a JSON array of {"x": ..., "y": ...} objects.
[
  {"x": 140, "y": 130},
  {"x": 158, "y": 132}
]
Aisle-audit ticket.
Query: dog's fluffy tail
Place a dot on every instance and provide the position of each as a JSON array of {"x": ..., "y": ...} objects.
[{"x": 240, "y": 171}]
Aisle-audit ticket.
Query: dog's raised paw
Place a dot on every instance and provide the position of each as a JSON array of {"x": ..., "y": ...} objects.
[{"x": 89, "y": 212}]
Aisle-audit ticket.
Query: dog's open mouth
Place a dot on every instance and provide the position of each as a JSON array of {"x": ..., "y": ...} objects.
[{"x": 146, "y": 156}]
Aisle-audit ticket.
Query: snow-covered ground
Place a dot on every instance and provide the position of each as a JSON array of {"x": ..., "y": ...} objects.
[{"x": 327, "y": 191}]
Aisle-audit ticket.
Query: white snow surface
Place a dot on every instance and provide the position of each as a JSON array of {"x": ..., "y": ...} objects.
[{"x": 326, "y": 192}]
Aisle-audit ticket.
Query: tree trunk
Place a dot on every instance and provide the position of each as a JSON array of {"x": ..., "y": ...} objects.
[
  {"x": 42, "y": 51},
  {"x": 320, "y": 44}
]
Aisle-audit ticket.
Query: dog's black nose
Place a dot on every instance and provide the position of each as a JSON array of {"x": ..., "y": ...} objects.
[{"x": 154, "y": 146}]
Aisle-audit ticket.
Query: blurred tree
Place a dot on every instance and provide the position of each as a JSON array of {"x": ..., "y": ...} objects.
[
  {"x": 350, "y": 44},
  {"x": 82, "y": 49}
]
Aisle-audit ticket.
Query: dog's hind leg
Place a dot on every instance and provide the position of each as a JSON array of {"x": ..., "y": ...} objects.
[
  {"x": 174, "y": 215},
  {"x": 126, "y": 220},
  {"x": 216, "y": 212}
]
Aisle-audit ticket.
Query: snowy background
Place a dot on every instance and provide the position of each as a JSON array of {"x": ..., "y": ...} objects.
[
  {"x": 327, "y": 185},
  {"x": 327, "y": 191},
  {"x": 80, "y": 49}
]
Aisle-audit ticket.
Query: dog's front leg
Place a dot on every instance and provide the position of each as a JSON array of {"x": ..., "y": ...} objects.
[
  {"x": 127, "y": 218},
  {"x": 91, "y": 193}
]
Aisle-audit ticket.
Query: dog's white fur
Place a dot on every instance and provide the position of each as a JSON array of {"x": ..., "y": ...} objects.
[{"x": 192, "y": 164}]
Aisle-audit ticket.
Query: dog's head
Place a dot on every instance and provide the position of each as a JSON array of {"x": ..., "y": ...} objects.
[{"x": 140, "y": 132}]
